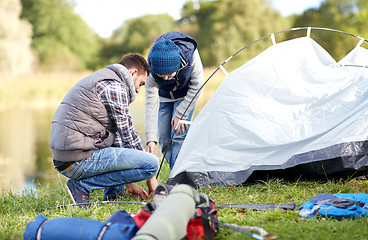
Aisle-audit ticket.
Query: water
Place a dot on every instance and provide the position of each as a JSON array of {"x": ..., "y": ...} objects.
[
  {"x": 24, "y": 151},
  {"x": 25, "y": 155}
]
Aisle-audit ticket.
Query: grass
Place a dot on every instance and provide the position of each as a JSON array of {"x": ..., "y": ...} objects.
[
  {"x": 37, "y": 90},
  {"x": 47, "y": 90},
  {"x": 16, "y": 210}
]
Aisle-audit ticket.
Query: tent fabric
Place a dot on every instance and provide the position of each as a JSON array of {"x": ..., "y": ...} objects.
[
  {"x": 291, "y": 110},
  {"x": 339, "y": 205}
]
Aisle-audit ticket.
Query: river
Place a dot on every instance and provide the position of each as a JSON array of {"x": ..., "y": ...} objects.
[{"x": 25, "y": 155}]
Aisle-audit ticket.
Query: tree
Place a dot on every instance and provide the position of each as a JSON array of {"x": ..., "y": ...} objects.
[
  {"x": 15, "y": 39},
  {"x": 206, "y": 16},
  {"x": 226, "y": 26},
  {"x": 345, "y": 15},
  {"x": 135, "y": 35},
  {"x": 142, "y": 31},
  {"x": 62, "y": 40}
]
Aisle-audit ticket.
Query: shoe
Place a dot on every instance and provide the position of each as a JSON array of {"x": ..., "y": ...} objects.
[
  {"x": 78, "y": 196},
  {"x": 161, "y": 192},
  {"x": 113, "y": 193}
]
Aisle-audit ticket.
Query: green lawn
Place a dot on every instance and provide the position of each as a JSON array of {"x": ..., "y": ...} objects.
[{"x": 17, "y": 210}]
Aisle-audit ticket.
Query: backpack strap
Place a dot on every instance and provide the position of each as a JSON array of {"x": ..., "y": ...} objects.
[
  {"x": 103, "y": 230},
  {"x": 207, "y": 212},
  {"x": 206, "y": 226},
  {"x": 39, "y": 231}
]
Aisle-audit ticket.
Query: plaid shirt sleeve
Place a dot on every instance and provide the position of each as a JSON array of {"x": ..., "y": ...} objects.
[{"x": 114, "y": 97}]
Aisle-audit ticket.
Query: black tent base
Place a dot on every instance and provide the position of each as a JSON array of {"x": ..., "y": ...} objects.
[{"x": 337, "y": 168}]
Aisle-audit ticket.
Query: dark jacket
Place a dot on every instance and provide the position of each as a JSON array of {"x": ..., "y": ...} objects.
[
  {"x": 177, "y": 87},
  {"x": 81, "y": 123}
]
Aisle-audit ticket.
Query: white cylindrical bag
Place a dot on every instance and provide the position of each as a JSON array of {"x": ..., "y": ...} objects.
[{"x": 170, "y": 219}]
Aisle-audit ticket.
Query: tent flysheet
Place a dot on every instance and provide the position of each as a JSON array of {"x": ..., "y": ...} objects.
[{"x": 291, "y": 111}]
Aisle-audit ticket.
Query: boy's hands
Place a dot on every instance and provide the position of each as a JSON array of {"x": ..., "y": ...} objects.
[
  {"x": 179, "y": 129},
  {"x": 151, "y": 147}
]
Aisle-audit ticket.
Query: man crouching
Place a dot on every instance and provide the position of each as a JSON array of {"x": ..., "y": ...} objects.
[{"x": 93, "y": 139}]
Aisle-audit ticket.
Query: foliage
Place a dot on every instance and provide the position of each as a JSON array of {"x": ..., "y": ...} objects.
[
  {"x": 344, "y": 15},
  {"x": 230, "y": 25},
  {"x": 15, "y": 39},
  {"x": 136, "y": 35},
  {"x": 111, "y": 51},
  {"x": 62, "y": 40}
]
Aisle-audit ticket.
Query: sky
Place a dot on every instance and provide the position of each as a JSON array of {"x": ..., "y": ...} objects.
[{"x": 104, "y": 16}]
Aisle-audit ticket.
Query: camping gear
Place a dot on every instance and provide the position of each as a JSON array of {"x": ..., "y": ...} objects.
[
  {"x": 264, "y": 206},
  {"x": 119, "y": 226},
  {"x": 171, "y": 217},
  {"x": 339, "y": 205},
  {"x": 95, "y": 203},
  {"x": 248, "y": 230},
  {"x": 257, "y": 207},
  {"x": 290, "y": 112},
  {"x": 157, "y": 220},
  {"x": 199, "y": 226}
]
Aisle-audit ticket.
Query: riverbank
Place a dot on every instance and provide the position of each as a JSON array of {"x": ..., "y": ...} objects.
[{"x": 46, "y": 90}]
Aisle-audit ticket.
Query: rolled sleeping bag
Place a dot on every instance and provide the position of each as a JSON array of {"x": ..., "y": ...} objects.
[
  {"x": 119, "y": 226},
  {"x": 171, "y": 217}
]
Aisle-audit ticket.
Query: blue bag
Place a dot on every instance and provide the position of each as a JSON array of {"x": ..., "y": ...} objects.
[
  {"x": 119, "y": 226},
  {"x": 339, "y": 205}
]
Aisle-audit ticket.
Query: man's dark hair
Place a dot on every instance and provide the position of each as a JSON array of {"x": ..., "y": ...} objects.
[{"x": 134, "y": 60}]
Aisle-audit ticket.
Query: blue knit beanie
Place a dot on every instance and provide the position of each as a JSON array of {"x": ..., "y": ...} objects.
[{"x": 164, "y": 57}]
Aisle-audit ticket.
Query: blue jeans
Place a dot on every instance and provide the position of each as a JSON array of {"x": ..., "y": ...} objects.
[
  {"x": 110, "y": 168},
  {"x": 170, "y": 148}
]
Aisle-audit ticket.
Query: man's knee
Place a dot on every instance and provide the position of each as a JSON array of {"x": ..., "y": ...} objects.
[
  {"x": 155, "y": 164},
  {"x": 152, "y": 165}
]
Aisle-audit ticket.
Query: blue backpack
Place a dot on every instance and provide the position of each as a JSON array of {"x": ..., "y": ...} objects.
[
  {"x": 339, "y": 205},
  {"x": 119, "y": 226}
]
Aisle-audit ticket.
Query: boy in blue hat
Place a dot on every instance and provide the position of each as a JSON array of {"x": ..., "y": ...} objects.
[{"x": 176, "y": 75}]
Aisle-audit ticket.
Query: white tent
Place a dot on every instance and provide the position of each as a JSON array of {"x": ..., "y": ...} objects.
[{"x": 290, "y": 111}]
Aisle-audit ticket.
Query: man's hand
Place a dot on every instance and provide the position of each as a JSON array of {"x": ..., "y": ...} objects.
[
  {"x": 151, "y": 147},
  {"x": 136, "y": 190},
  {"x": 152, "y": 185},
  {"x": 182, "y": 126}
]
